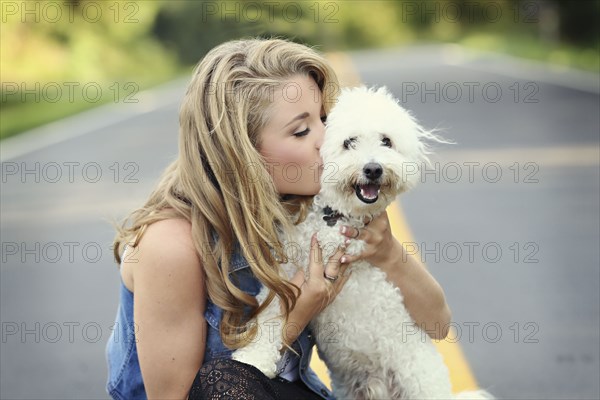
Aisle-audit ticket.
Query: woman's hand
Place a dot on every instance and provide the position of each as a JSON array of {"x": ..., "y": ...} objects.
[
  {"x": 379, "y": 240},
  {"x": 317, "y": 290}
]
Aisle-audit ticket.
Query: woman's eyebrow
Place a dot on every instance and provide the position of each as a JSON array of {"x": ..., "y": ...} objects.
[{"x": 300, "y": 116}]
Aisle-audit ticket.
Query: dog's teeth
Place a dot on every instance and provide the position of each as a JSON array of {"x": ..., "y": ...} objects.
[{"x": 369, "y": 191}]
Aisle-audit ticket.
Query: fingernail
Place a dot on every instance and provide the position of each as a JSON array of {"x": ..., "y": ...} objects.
[
  {"x": 347, "y": 241},
  {"x": 343, "y": 259},
  {"x": 343, "y": 230}
]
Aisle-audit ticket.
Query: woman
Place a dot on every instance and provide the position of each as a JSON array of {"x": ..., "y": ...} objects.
[{"x": 199, "y": 250}]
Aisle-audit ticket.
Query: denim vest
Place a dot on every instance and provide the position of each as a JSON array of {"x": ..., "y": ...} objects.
[{"x": 124, "y": 374}]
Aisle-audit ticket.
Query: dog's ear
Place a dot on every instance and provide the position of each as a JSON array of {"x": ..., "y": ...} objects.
[{"x": 383, "y": 90}]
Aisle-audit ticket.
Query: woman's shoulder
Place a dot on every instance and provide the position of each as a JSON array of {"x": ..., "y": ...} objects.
[
  {"x": 176, "y": 230},
  {"x": 165, "y": 248}
]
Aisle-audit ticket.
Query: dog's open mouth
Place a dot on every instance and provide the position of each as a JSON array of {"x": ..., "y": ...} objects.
[{"x": 368, "y": 193}]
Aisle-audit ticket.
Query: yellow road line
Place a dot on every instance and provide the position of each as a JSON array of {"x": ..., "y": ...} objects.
[
  {"x": 461, "y": 375},
  {"x": 320, "y": 369}
]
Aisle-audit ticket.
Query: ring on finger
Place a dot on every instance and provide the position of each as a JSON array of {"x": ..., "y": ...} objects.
[{"x": 330, "y": 278}]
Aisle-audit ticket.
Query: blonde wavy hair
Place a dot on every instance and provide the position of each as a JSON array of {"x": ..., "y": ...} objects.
[{"x": 209, "y": 184}]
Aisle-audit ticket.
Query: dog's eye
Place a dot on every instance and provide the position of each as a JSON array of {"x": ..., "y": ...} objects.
[
  {"x": 386, "y": 142},
  {"x": 349, "y": 143}
]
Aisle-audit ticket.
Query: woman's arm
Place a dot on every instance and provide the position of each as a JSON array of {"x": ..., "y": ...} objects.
[
  {"x": 170, "y": 299},
  {"x": 423, "y": 296}
]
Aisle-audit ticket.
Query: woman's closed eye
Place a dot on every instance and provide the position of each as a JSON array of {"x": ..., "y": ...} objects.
[
  {"x": 302, "y": 133},
  {"x": 307, "y": 130}
]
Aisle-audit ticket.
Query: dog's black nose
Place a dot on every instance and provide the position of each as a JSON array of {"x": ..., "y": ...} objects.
[{"x": 373, "y": 170}]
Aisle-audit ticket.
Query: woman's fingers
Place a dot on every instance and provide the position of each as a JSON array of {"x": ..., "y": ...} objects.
[
  {"x": 325, "y": 279},
  {"x": 332, "y": 266},
  {"x": 332, "y": 269},
  {"x": 350, "y": 232},
  {"x": 315, "y": 249},
  {"x": 341, "y": 267},
  {"x": 376, "y": 234},
  {"x": 315, "y": 264}
]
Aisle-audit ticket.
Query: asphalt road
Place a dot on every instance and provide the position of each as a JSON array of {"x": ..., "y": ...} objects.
[{"x": 509, "y": 226}]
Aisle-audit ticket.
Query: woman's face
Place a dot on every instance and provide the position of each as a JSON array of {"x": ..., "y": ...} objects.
[{"x": 291, "y": 139}]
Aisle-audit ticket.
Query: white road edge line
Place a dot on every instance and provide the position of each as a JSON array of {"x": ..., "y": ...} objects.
[
  {"x": 552, "y": 156},
  {"x": 523, "y": 69},
  {"x": 92, "y": 120}
]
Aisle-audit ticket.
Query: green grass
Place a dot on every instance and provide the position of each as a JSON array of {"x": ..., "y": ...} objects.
[
  {"x": 28, "y": 115},
  {"x": 586, "y": 59},
  {"x": 20, "y": 113}
]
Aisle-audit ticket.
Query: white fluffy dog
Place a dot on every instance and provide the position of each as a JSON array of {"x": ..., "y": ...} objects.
[{"x": 372, "y": 152}]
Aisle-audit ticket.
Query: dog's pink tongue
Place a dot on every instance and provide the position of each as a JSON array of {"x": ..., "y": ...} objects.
[{"x": 369, "y": 191}]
